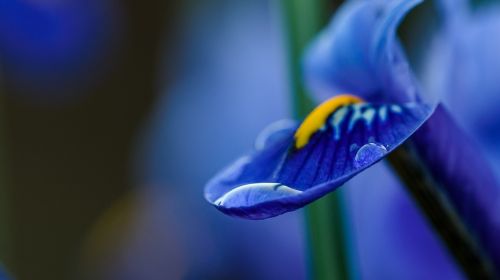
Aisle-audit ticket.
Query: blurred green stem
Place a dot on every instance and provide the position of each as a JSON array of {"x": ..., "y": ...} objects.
[{"x": 325, "y": 218}]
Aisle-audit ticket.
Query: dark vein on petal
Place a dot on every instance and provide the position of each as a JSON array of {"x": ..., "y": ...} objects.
[{"x": 306, "y": 158}]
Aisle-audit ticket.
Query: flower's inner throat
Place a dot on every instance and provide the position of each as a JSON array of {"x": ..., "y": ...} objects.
[{"x": 317, "y": 118}]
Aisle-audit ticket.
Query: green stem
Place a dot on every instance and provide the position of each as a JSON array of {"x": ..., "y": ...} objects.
[
  {"x": 325, "y": 218},
  {"x": 303, "y": 19}
]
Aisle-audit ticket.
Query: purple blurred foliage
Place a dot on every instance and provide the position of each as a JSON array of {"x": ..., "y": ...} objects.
[
  {"x": 463, "y": 66},
  {"x": 391, "y": 237},
  {"x": 50, "y": 49}
]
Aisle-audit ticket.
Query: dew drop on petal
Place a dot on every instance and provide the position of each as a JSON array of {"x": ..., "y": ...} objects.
[{"x": 368, "y": 154}]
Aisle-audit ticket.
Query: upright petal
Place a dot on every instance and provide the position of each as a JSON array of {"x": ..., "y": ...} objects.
[{"x": 359, "y": 52}]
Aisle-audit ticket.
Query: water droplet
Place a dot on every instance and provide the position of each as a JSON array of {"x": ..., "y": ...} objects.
[{"x": 368, "y": 154}]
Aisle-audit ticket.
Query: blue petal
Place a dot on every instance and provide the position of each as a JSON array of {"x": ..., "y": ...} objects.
[
  {"x": 280, "y": 177},
  {"x": 464, "y": 177},
  {"x": 392, "y": 238},
  {"x": 359, "y": 53}
]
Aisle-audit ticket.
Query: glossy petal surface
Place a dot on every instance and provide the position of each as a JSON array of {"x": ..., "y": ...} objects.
[{"x": 280, "y": 177}]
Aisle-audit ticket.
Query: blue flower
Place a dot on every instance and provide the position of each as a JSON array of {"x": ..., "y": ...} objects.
[
  {"x": 359, "y": 53},
  {"x": 295, "y": 164}
]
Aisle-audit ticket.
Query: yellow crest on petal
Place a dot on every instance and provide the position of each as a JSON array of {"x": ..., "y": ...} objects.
[{"x": 317, "y": 118}]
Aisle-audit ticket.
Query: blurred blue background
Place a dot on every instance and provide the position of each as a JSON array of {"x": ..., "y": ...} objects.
[{"x": 114, "y": 114}]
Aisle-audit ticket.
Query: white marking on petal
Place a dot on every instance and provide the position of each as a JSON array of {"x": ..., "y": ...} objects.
[
  {"x": 367, "y": 116},
  {"x": 336, "y": 121},
  {"x": 383, "y": 113}
]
